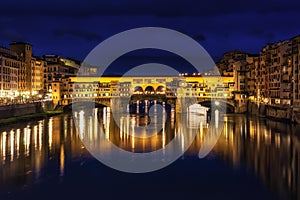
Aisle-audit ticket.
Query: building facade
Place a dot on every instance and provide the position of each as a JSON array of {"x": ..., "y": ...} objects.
[
  {"x": 24, "y": 51},
  {"x": 30, "y": 76},
  {"x": 10, "y": 64},
  {"x": 56, "y": 69}
]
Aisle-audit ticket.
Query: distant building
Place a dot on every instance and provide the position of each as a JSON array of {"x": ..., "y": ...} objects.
[
  {"x": 294, "y": 61},
  {"x": 242, "y": 67},
  {"x": 58, "y": 68},
  {"x": 37, "y": 76},
  {"x": 10, "y": 63},
  {"x": 24, "y": 50},
  {"x": 88, "y": 70},
  {"x": 225, "y": 64},
  {"x": 276, "y": 73},
  {"x": 30, "y": 78},
  {"x": 251, "y": 76}
]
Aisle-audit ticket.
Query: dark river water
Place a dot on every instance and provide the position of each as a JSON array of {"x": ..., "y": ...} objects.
[{"x": 253, "y": 158}]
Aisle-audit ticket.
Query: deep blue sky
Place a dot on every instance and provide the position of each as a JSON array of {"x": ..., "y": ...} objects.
[{"x": 72, "y": 28}]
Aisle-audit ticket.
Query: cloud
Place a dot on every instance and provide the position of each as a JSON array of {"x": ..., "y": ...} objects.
[
  {"x": 199, "y": 37},
  {"x": 219, "y": 25},
  {"x": 77, "y": 33},
  {"x": 259, "y": 33},
  {"x": 11, "y": 35}
]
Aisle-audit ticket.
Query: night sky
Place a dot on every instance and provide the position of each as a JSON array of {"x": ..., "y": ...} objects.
[{"x": 73, "y": 28}]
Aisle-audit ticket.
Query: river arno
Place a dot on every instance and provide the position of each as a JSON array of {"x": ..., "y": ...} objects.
[{"x": 254, "y": 158}]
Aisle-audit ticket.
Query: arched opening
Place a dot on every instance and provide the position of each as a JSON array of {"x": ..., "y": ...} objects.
[
  {"x": 220, "y": 105},
  {"x": 138, "y": 90},
  {"x": 149, "y": 90},
  {"x": 160, "y": 90}
]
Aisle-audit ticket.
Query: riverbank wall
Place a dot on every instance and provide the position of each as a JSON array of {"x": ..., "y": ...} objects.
[
  {"x": 17, "y": 110},
  {"x": 274, "y": 112}
]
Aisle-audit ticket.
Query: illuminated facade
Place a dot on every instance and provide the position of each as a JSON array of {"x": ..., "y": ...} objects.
[
  {"x": 243, "y": 69},
  {"x": 10, "y": 64},
  {"x": 37, "y": 72},
  {"x": 30, "y": 76},
  {"x": 251, "y": 75},
  {"x": 295, "y": 79},
  {"x": 24, "y": 50},
  {"x": 270, "y": 78},
  {"x": 56, "y": 69},
  {"x": 69, "y": 88},
  {"x": 276, "y": 74},
  {"x": 226, "y": 63}
]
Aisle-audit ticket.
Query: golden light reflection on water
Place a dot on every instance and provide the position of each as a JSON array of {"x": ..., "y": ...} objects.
[
  {"x": 133, "y": 134},
  {"x": 270, "y": 149}
]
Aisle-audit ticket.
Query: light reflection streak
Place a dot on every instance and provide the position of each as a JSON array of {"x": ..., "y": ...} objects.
[
  {"x": 65, "y": 127},
  {"x": 27, "y": 133},
  {"x": 132, "y": 135},
  {"x": 81, "y": 124},
  {"x": 12, "y": 144},
  {"x": 40, "y": 134},
  {"x": 50, "y": 133},
  {"x": 217, "y": 119},
  {"x": 35, "y": 136},
  {"x": 4, "y": 146},
  {"x": 18, "y": 135},
  {"x": 62, "y": 160},
  {"x": 164, "y": 129},
  {"x": 95, "y": 124}
]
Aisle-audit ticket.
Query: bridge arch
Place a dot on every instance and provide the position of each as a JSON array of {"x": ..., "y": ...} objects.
[
  {"x": 149, "y": 90},
  {"x": 160, "y": 90},
  {"x": 230, "y": 108},
  {"x": 138, "y": 90}
]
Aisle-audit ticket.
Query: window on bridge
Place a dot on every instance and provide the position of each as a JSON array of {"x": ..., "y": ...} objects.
[
  {"x": 148, "y": 81},
  {"x": 138, "y": 81}
]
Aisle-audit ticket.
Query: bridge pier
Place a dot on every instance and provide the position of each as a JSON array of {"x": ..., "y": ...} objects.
[
  {"x": 137, "y": 107},
  {"x": 120, "y": 105},
  {"x": 146, "y": 106},
  {"x": 182, "y": 104}
]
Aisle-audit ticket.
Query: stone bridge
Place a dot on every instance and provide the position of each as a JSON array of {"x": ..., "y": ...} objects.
[{"x": 179, "y": 103}]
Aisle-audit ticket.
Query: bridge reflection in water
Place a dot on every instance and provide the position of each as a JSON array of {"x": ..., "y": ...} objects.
[
  {"x": 138, "y": 132},
  {"x": 31, "y": 152}
]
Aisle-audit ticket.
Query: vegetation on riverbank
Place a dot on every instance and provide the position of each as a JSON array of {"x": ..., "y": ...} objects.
[{"x": 29, "y": 117}]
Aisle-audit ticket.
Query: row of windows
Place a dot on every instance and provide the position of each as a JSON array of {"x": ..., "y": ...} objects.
[
  {"x": 8, "y": 86},
  {"x": 8, "y": 78},
  {"x": 274, "y": 85},
  {"x": 148, "y": 81},
  {"x": 6, "y": 70},
  {"x": 124, "y": 93},
  {"x": 275, "y": 94},
  {"x": 89, "y": 95},
  {"x": 12, "y": 63}
]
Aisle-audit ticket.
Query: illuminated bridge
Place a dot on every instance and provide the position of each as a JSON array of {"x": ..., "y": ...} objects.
[{"x": 179, "y": 92}]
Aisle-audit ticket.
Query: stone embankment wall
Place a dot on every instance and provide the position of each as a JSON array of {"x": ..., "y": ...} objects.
[
  {"x": 275, "y": 112},
  {"x": 16, "y": 110}
]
